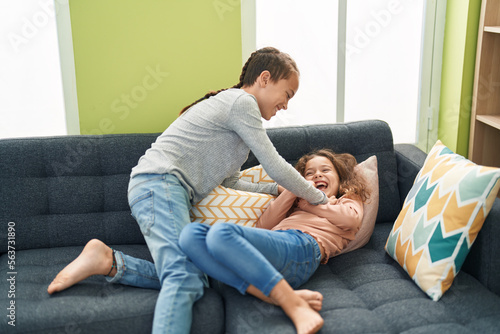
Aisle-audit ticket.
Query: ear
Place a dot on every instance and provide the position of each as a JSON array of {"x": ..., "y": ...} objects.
[{"x": 264, "y": 78}]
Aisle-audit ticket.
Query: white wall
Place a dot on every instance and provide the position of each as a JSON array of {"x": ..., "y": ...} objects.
[{"x": 31, "y": 94}]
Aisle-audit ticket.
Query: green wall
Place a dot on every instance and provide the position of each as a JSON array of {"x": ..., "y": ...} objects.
[
  {"x": 457, "y": 78},
  {"x": 138, "y": 63}
]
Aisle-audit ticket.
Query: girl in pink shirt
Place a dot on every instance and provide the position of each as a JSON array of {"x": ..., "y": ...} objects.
[{"x": 294, "y": 236}]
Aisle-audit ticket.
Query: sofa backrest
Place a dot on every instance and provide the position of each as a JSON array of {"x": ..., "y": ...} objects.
[
  {"x": 64, "y": 191},
  {"x": 361, "y": 139}
]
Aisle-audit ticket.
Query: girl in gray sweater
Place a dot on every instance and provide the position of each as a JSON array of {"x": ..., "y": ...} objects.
[{"x": 205, "y": 147}]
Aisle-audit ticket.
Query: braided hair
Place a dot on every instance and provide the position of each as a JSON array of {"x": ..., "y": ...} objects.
[{"x": 279, "y": 64}]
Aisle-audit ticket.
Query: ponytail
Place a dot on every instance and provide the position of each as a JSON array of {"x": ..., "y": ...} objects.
[{"x": 279, "y": 64}]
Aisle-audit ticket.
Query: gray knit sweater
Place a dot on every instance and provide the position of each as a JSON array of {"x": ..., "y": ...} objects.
[{"x": 207, "y": 145}]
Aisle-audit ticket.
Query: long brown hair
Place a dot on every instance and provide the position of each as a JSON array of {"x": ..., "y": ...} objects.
[
  {"x": 279, "y": 64},
  {"x": 352, "y": 184}
]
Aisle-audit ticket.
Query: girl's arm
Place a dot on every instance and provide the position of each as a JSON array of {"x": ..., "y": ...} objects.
[
  {"x": 277, "y": 210},
  {"x": 344, "y": 212},
  {"x": 234, "y": 182},
  {"x": 246, "y": 121}
]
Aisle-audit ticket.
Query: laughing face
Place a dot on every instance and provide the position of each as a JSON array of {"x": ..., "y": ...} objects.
[
  {"x": 273, "y": 96},
  {"x": 320, "y": 170}
]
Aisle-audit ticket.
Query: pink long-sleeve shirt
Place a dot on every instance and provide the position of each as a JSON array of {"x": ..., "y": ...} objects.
[{"x": 333, "y": 224}]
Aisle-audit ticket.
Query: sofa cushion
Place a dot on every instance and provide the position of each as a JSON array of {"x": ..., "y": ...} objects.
[
  {"x": 93, "y": 305},
  {"x": 441, "y": 218},
  {"x": 366, "y": 291}
]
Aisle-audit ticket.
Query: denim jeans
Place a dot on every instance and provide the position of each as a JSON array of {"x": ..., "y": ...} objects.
[
  {"x": 239, "y": 256},
  {"x": 134, "y": 272},
  {"x": 161, "y": 205}
]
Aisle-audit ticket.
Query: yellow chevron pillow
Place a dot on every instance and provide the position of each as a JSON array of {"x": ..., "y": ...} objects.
[
  {"x": 225, "y": 205},
  {"x": 441, "y": 217}
]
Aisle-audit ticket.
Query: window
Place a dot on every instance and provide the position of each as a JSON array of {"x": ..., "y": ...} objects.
[
  {"x": 383, "y": 43},
  {"x": 307, "y": 31},
  {"x": 383, "y": 51},
  {"x": 30, "y": 75}
]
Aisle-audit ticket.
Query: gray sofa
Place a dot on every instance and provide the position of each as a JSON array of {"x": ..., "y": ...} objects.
[{"x": 58, "y": 193}]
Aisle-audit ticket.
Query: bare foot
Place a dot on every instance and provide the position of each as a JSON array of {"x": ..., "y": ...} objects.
[
  {"x": 313, "y": 298},
  {"x": 95, "y": 259},
  {"x": 305, "y": 319}
]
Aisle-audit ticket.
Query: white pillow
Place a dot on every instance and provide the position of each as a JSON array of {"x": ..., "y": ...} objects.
[{"x": 370, "y": 207}]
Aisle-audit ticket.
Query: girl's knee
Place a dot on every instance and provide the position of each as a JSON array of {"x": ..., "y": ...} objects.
[
  {"x": 219, "y": 233},
  {"x": 192, "y": 234},
  {"x": 217, "y": 230}
]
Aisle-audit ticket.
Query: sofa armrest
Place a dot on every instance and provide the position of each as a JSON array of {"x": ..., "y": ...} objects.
[
  {"x": 483, "y": 261},
  {"x": 410, "y": 160}
]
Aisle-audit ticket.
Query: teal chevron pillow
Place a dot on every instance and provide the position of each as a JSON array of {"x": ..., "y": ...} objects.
[{"x": 441, "y": 217}]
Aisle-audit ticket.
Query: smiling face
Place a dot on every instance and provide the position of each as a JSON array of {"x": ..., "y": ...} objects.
[
  {"x": 273, "y": 96},
  {"x": 320, "y": 170}
]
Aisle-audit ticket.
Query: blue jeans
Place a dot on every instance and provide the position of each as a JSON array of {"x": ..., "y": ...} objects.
[
  {"x": 134, "y": 272},
  {"x": 239, "y": 256},
  {"x": 161, "y": 205}
]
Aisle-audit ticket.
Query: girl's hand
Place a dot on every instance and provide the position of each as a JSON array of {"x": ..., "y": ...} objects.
[
  {"x": 333, "y": 200},
  {"x": 301, "y": 203},
  {"x": 280, "y": 189}
]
